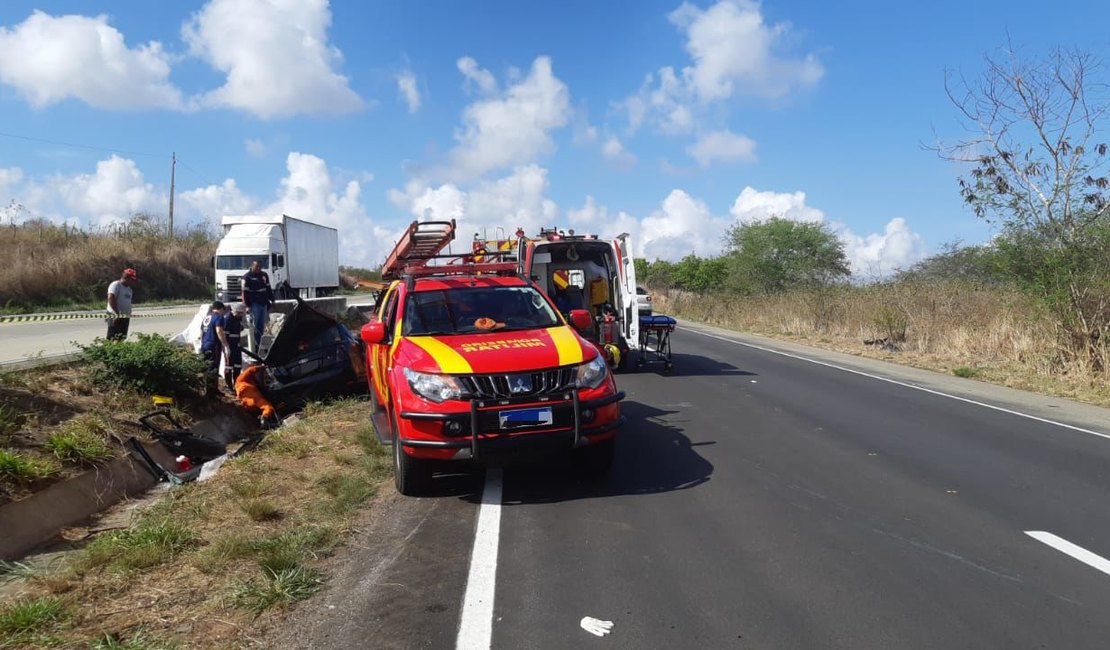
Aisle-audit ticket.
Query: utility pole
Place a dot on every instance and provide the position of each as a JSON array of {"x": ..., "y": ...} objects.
[{"x": 173, "y": 174}]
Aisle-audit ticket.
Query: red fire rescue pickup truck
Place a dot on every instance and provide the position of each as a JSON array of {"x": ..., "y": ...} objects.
[{"x": 470, "y": 360}]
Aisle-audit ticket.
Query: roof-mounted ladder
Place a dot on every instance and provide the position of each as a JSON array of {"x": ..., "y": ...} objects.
[{"x": 422, "y": 242}]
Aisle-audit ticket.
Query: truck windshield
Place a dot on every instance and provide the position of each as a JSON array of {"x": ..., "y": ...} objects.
[
  {"x": 241, "y": 262},
  {"x": 481, "y": 309}
]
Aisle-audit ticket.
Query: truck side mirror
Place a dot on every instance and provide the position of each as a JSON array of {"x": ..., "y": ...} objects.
[
  {"x": 373, "y": 333},
  {"x": 581, "y": 319}
]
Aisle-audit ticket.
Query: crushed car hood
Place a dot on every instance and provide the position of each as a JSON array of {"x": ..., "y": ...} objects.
[{"x": 495, "y": 352}]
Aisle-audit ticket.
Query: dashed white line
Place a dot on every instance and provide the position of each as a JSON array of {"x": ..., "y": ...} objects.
[
  {"x": 902, "y": 383},
  {"x": 1067, "y": 548},
  {"x": 476, "y": 623}
]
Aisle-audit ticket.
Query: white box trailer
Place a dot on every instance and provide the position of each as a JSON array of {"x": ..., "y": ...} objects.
[{"x": 301, "y": 257}]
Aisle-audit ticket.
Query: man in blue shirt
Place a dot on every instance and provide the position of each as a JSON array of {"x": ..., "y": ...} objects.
[{"x": 214, "y": 345}]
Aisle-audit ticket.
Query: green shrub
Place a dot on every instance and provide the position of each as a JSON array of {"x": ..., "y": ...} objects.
[
  {"x": 892, "y": 323},
  {"x": 149, "y": 364},
  {"x": 21, "y": 469}
]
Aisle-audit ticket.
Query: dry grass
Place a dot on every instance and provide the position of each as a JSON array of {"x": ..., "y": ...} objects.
[
  {"x": 197, "y": 569},
  {"x": 47, "y": 265},
  {"x": 995, "y": 334}
]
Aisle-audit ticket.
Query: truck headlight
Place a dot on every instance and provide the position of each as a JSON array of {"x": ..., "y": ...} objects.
[
  {"x": 435, "y": 388},
  {"x": 591, "y": 374}
]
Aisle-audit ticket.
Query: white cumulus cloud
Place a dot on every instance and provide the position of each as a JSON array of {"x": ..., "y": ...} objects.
[
  {"x": 681, "y": 226},
  {"x": 276, "y": 56},
  {"x": 48, "y": 59},
  {"x": 406, "y": 85},
  {"x": 734, "y": 51},
  {"x": 214, "y": 201},
  {"x": 114, "y": 193},
  {"x": 517, "y": 200},
  {"x": 477, "y": 76},
  {"x": 752, "y": 205},
  {"x": 615, "y": 153},
  {"x": 722, "y": 146},
  {"x": 878, "y": 255},
  {"x": 512, "y": 128}
]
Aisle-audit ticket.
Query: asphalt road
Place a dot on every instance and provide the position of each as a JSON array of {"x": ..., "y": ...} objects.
[
  {"x": 761, "y": 501},
  {"x": 20, "y": 341}
]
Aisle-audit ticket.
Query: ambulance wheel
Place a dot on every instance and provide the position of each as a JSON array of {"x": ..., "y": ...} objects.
[
  {"x": 596, "y": 459},
  {"x": 412, "y": 476}
]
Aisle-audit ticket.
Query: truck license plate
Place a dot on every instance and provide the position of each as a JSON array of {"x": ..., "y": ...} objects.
[{"x": 520, "y": 418}]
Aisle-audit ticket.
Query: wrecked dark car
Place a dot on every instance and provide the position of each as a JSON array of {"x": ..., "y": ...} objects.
[{"x": 312, "y": 356}]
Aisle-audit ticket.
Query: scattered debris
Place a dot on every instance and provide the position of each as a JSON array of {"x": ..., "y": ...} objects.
[
  {"x": 884, "y": 344},
  {"x": 596, "y": 626}
]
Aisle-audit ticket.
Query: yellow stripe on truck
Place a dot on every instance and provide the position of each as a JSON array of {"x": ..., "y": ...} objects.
[
  {"x": 570, "y": 350},
  {"x": 449, "y": 361}
]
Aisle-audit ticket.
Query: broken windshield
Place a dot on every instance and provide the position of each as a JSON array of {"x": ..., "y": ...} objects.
[{"x": 479, "y": 309}]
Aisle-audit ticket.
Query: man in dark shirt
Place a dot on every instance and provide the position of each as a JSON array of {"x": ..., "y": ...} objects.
[
  {"x": 233, "y": 327},
  {"x": 214, "y": 345},
  {"x": 258, "y": 296}
]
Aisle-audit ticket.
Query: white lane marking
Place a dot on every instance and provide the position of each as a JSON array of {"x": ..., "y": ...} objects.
[
  {"x": 1067, "y": 548},
  {"x": 476, "y": 623},
  {"x": 902, "y": 383}
]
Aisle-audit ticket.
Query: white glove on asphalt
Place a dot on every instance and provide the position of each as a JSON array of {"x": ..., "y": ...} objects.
[{"x": 595, "y": 626}]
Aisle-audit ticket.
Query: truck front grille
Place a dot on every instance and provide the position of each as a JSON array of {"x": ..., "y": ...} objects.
[
  {"x": 525, "y": 384},
  {"x": 234, "y": 284}
]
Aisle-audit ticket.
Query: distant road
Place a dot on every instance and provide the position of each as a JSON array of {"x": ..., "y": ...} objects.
[
  {"x": 45, "y": 336},
  {"x": 25, "y": 341}
]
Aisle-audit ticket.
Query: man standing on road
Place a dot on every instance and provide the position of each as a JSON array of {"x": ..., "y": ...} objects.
[
  {"x": 258, "y": 297},
  {"x": 119, "y": 305},
  {"x": 214, "y": 345}
]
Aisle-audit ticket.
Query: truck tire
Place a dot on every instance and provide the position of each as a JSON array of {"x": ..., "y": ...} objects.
[
  {"x": 412, "y": 476},
  {"x": 595, "y": 460}
]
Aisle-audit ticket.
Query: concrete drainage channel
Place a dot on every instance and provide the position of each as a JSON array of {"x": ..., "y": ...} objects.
[{"x": 38, "y": 519}]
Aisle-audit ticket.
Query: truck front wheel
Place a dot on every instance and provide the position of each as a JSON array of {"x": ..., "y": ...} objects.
[{"x": 412, "y": 476}]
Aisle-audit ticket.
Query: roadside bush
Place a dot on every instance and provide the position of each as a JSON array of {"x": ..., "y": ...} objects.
[
  {"x": 11, "y": 420},
  {"x": 82, "y": 440},
  {"x": 149, "y": 364}
]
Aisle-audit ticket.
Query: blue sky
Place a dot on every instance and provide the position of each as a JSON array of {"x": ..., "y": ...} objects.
[{"x": 668, "y": 120}]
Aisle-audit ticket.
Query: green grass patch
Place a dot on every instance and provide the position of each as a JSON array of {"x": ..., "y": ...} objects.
[
  {"x": 288, "y": 441},
  {"x": 261, "y": 510},
  {"x": 82, "y": 441},
  {"x": 21, "y": 469},
  {"x": 154, "y": 541},
  {"x": 346, "y": 491},
  {"x": 278, "y": 588},
  {"x": 966, "y": 372},
  {"x": 31, "y": 620},
  {"x": 249, "y": 487},
  {"x": 140, "y": 640}
]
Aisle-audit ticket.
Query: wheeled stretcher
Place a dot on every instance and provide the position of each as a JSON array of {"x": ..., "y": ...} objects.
[{"x": 655, "y": 340}]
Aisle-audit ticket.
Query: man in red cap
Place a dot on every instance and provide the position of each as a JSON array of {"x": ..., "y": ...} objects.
[{"x": 119, "y": 305}]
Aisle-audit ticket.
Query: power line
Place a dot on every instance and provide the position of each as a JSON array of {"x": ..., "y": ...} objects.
[{"x": 83, "y": 146}]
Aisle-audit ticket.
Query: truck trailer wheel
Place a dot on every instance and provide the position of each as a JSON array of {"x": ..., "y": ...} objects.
[{"x": 412, "y": 476}]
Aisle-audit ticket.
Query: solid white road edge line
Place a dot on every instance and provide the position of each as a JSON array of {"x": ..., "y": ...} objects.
[
  {"x": 476, "y": 623},
  {"x": 1067, "y": 548},
  {"x": 901, "y": 383}
]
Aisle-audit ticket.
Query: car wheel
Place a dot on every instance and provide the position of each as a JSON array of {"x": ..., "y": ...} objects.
[
  {"x": 412, "y": 476},
  {"x": 595, "y": 460}
]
